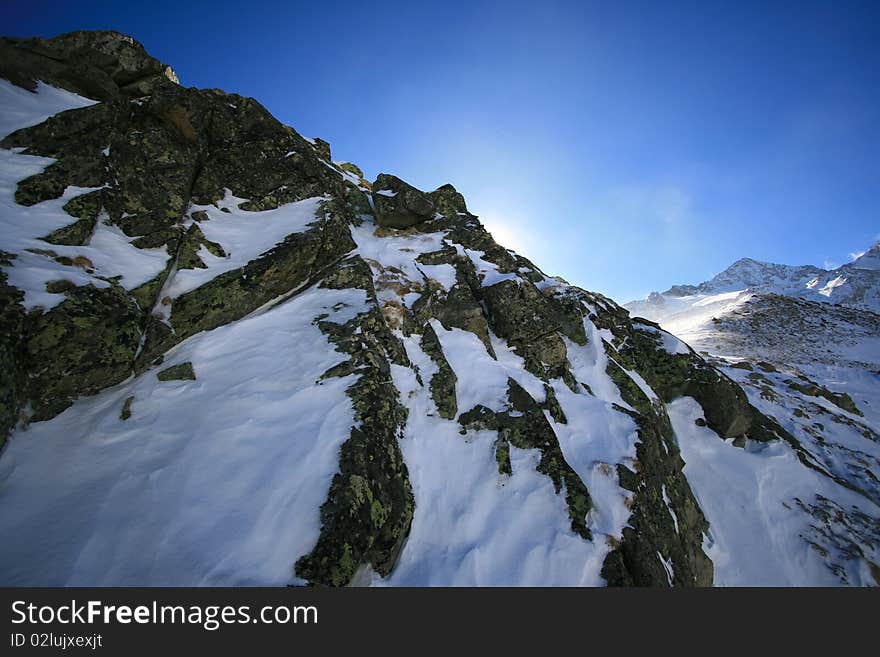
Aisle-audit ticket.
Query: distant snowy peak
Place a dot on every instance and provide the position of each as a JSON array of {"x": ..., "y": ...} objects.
[
  {"x": 856, "y": 284},
  {"x": 753, "y": 274},
  {"x": 870, "y": 259},
  {"x": 749, "y": 308}
]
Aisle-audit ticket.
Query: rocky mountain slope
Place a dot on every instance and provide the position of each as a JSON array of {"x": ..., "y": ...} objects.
[
  {"x": 229, "y": 360},
  {"x": 813, "y": 366}
]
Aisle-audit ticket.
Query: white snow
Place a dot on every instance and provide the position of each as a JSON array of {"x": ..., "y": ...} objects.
[
  {"x": 443, "y": 273},
  {"x": 690, "y": 317},
  {"x": 243, "y": 235},
  {"x": 588, "y": 363},
  {"x": 870, "y": 259},
  {"x": 667, "y": 566},
  {"x": 594, "y": 440},
  {"x": 111, "y": 252},
  {"x": 487, "y": 271},
  {"x": 481, "y": 378},
  {"x": 668, "y": 342},
  {"x": 216, "y": 481},
  {"x": 22, "y": 108},
  {"x": 398, "y": 250},
  {"x": 385, "y": 192},
  {"x": 473, "y": 526},
  {"x": 828, "y": 288},
  {"x": 21, "y": 228},
  {"x": 747, "y": 495},
  {"x": 669, "y": 506}
]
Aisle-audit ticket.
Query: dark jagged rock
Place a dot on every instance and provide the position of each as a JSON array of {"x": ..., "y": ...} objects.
[
  {"x": 300, "y": 258},
  {"x": 322, "y": 148},
  {"x": 653, "y": 530},
  {"x": 12, "y": 356},
  {"x": 125, "y": 413},
  {"x": 156, "y": 148},
  {"x": 672, "y": 375},
  {"x": 459, "y": 307},
  {"x": 839, "y": 399},
  {"x": 102, "y": 65},
  {"x": 352, "y": 168},
  {"x": 399, "y": 204},
  {"x": 448, "y": 201},
  {"x": 88, "y": 208},
  {"x": 443, "y": 381},
  {"x": 674, "y": 531}
]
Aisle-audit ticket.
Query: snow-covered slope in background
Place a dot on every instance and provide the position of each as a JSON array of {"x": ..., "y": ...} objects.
[
  {"x": 856, "y": 284},
  {"x": 870, "y": 259},
  {"x": 806, "y": 349}
]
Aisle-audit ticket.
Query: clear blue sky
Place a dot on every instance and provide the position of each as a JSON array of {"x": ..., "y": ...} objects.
[{"x": 626, "y": 146}]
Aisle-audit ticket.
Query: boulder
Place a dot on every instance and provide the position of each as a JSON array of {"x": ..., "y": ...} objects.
[
  {"x": 448, "y": 200},
  {"x": 398, "y": 204},
  {"x": 182, "y": 372}
]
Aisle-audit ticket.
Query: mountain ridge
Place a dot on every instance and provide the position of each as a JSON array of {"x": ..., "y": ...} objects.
[
  {"x": 855, "y": 284},
  {"x": 242, "y": 363}
]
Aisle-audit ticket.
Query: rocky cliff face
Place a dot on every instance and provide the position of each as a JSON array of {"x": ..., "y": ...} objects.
[
  {"x": 812, "y": 366},
  {"x": 240, "y": 362}
]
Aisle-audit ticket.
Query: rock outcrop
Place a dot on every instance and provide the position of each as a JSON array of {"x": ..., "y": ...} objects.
[
  {"x": 399, "y": 204},
  {"x": 163, "y": 167}
]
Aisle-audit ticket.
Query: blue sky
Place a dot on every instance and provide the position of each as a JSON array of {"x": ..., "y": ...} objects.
[{"x": 625, "y": 146}]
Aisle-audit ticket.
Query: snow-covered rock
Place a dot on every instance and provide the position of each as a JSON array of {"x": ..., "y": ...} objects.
[{"x": 223, "y": 364}]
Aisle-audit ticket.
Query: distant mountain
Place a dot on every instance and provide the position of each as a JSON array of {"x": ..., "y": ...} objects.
[
  {"x": 840, "y": 308},
  {"x": 856, "y": 284},
  {"x": 870, "y": 259}
]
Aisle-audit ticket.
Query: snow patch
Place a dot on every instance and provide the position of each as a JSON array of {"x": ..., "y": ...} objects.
[
  {"x": 243, "y": 235},
  {"x": 23, "y": 108},
  {"x": 216, "y": 481},
  {"x": 747, "y": 495}
]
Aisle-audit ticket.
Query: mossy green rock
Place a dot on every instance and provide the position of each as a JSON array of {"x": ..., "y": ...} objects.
[
  {"x": 181, "y": 372},
  {"x": 126, "y": 408},
  {"x": 81, "y": 346},
  {"x": 369, "y": 507},
  {"x": 639, "y": 347},
  {"x": 94, "y": 64},
  {"x": 674, "y": 530},
  {"x": 448, "y": 201},
  {"x": 840, "y": 399},
  {"x": 299, "y": 259},
  {"x": 12, "y": 356},
  {"x": 443, "y": 381}
]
